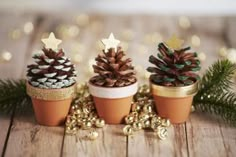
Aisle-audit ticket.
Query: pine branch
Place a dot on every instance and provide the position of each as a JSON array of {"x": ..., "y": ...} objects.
[
  {"x": 13, "y": 96},
  {"x": 218, "y": 78},
  {"x": 215, "y": 96},
  {"x": 223, "y": 105}
]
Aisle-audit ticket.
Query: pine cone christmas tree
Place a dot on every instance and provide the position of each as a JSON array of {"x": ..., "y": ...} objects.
[
  {"x": 113, "y": 69},
  {"x": 52, "y": 70},
  {"x": 174, "y": 67}
]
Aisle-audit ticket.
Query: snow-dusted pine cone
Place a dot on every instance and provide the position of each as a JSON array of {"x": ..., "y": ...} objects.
[
  {"x": 174, "y": 67},
  {"x": 52, "y": 70},
  {"x": 113, "y": 69}
]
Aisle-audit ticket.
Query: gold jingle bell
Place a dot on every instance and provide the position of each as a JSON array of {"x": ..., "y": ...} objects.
[
  {"x": 86, "y": 125},
  {"x": 137, "y": 126},
  {"x": 93, "y": 135},
  {"x": 99, "y": 123},
  {"x": 129, "y": 119},
  {"x": 165, "y": 122},
  {"x": 128, "y": 130},
  {"x": 147, "y": 108}
]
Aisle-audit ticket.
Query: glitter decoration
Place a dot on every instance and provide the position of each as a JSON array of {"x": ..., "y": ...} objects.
[{"x": 50, "y": 94}]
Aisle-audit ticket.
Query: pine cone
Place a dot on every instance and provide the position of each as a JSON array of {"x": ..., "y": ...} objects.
[
  {"x": 52, "y": 70},
  {"x": 174, "y": 67},
  {"x": 113, "y": 69}
]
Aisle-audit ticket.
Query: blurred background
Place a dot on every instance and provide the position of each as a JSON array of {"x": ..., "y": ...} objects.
[{"x": 209, "y": 27}]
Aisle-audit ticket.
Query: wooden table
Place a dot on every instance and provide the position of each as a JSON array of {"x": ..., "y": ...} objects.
[{"x": 202, "y": 135}]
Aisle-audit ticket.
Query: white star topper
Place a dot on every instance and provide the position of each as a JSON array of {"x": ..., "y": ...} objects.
[
  {"x": 51, "y": 42},
  {"x": 111, "y": 42}
]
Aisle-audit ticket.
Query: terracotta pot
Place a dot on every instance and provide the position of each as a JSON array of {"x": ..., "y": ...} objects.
[
  {"x": 174, "y": 103},
  {"x": 51, "y": 106},
  {"x": 113, "y": 103}
]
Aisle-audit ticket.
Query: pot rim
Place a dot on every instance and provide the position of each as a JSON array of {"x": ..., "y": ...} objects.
[
  {"x": 113, "y": 92},
  {"x": 174, "y": 92},
  {"x": 50, "y": 94}
]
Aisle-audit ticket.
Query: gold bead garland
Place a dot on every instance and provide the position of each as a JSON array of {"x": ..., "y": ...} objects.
[{"x": 83, "y": 115}]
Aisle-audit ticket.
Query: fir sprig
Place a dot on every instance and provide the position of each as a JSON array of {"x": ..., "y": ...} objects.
[
  {"x": 13, "y": 95},
  {"x": 215, "y": 95}
]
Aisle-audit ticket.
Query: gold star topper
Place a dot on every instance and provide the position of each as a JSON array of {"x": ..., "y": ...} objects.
[
  {"x": 174, "y": 42},
  {"x": 51, "y": 42},
  {"x": 111, "y": 42}
]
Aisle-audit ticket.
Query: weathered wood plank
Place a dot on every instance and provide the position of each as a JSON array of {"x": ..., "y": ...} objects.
[
  {"x": 13, "y": 68},
  {"x": 145, "y": 143},
  {"x": 228, "y": 134},
  {"x": 205, "y": 137},
  {"x": 110, "y": 142}
]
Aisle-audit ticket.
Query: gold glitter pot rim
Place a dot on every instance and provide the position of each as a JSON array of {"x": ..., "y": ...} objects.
[
  {"x": 174, "y": 92},
  {"x": 51, "y": 94}
]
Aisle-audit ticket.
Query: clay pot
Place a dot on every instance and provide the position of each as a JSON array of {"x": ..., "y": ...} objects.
[
  {"x": 174, "y": 103},
  {"x": 113, "y": 103},
  {"x": 51, "y": 106}
]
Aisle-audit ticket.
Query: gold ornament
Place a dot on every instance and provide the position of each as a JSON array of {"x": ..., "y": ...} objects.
[
  {"x": 51, "y": 42},
  {"x": 137, "y": 126},
  {"x": 86, "y": 125},
  {"x": 93, "y": 135},
  {"x": 71, "y": 130},
  {"x": 174, "y": 42},
  {"x": 165, "y": 122},
  {"x": 100, "y": 123},
  {"x": 162, "y": 133},
  {"x": 143, "y": 116},
  {"x": 129, "y": 119},
  {"x": 147, "y": 108},
  {"x": 146, "y": 124},
  {"x": 128, "y": 130},
  {"x": 111, "y": 42}
]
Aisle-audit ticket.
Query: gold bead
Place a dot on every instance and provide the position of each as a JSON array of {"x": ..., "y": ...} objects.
[
  {"x": 128, "y": 130},
  {"x": 100, "y": 123},
  {"x": 129, "y": 119},
  {"x": 93, "y": 135},
  {"x": 137, "y": 126},
  {"x": 86, "y": 125}
]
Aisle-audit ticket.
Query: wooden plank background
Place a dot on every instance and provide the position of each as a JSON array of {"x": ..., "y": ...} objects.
[{"x": 201, "y": 135}]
